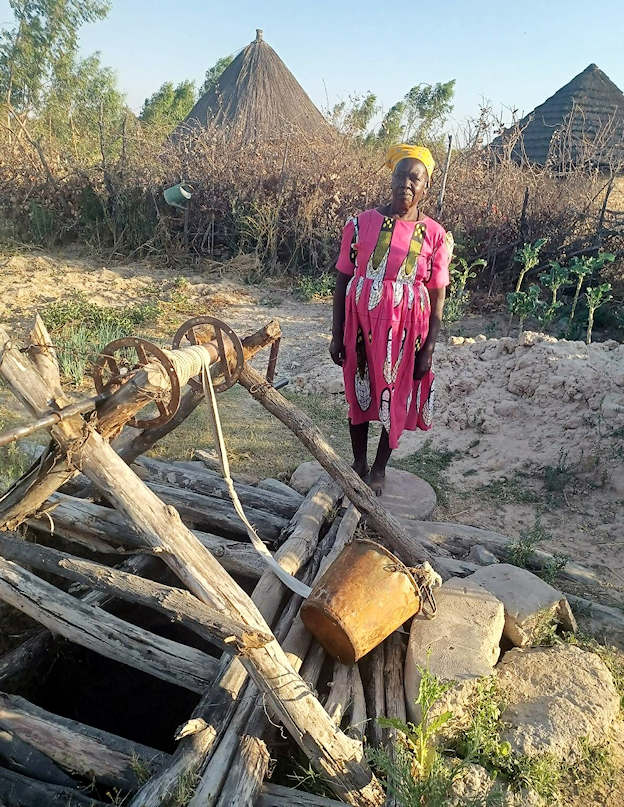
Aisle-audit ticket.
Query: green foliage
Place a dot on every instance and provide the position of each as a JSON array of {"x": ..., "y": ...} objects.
[
  {"x": 419, "y": 115},
  {"x": 528, "y": 258},
  {"x": 169, "y": 105},
  {"x": 80, "y": 329},
  {"x": 353, "y": 117},
  {"x": 391, "y": 129},
  {"x": 520, "y": 551},
  {"x": 415, "y": 771},
  {"x": 595, "y": 296},
  {"x": 213, "y": 74},
  {"x": 13, "y": 461},
  {"x": 556, "y": 277},
  {"x": 316, "y": 288},
  {"x": 43, "y": 40},
  {"x": 524, "y": 304},
  {"x": 582, "y": 267},
  {"x": 458, "y": 298}
]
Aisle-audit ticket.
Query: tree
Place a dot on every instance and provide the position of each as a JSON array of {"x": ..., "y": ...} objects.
[
  {"x": 213, "y": 74},
  {"x": 169, "y": 105},
  {"x": 427, "y": 106},
  {"x": 419, "y": 114},
  {"x": 43, "y": 40}
]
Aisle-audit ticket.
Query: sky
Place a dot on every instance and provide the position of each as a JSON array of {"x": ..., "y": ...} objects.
[{"x": 513, "y": 55}]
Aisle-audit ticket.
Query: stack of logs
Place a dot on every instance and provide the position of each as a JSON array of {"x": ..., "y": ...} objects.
[{"x": 176, "y": 517}]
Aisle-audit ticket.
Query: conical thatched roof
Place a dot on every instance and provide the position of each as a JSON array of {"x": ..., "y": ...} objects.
[
  {"x": 259, "y": 98},
  {"x": 581, "y": 122}
]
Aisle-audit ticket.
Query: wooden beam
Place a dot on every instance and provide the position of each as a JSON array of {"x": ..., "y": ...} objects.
[
  {"x": 411, "y": 550},
  {"x": 76, "y": 747},
  {"x": 22, "y": 757},
  {"x": 17, "y": 790},
  {"x": 279, "y": 796},
  {"x": 103, "y": 633},
  {"x": 175, "y": 603}
]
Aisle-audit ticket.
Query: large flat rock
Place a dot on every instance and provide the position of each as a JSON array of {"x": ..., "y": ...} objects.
[
  {"x": 556, "y": 696},
  {"x": 528, "y": 600},
  {"x": 408, "y": 497},
  {"x": 460, "y": 644}
]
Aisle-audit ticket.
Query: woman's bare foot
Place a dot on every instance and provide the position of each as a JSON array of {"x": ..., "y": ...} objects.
[{"x": 376, "y": 480}]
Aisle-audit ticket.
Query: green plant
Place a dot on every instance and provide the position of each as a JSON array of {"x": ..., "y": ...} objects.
[
  {"x": 551, "y": 570},
  {"x": 582, "y": 267},
  {"x": 556, "y": 277},
  {"x": 520, "y": 551},
  {"x": 525, "y": 304},
  {"x": 596, "y": 296},
  {"x": 415, "y": 771},
  {"x": 13, "y": 462},
  {"x": 528, "y": 258},
  {"x": 481, "y": 742},
  {"x": 456, "y": 303},
  {"x": 509, "y": 489},
  {"x": 316, "y": 288}
]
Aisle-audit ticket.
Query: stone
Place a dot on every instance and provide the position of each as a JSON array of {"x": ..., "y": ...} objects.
[
  {"x": 479, "y": 554},
  {"x": 556, "y": 696},
  {"x": 307, "y": 475},
  {"x": 407, "y": 497},
  {"x": 528, "y": 600},
  {"x": 456, "y": 340},
  {"x": 461, "y": 644}
]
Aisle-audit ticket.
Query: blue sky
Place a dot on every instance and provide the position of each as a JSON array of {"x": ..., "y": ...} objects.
[{"x": 515, "y": 56}]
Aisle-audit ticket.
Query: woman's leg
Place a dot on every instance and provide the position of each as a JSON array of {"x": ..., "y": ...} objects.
[
  {"x": 359, "y": 444},
  {"x": 377, "y": 476}
]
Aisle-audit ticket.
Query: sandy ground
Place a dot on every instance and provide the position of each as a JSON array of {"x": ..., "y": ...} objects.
[{"x": 532, "y": 429}]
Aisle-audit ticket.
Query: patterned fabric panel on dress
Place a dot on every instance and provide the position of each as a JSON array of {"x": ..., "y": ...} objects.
[{"x": 392, "y": 264}]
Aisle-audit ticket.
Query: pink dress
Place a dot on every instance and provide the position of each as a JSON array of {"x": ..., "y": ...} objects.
[{"x": 392, "y": 264}]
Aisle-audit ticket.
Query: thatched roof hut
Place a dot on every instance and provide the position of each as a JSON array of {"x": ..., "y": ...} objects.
[
  {"x": 582, "y": 123},
  {"x": 258, "y": 97}
]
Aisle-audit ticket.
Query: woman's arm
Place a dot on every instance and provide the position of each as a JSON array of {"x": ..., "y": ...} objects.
[
  {"x": 336, "y": 346},
  {"x": 425, "y": 354}
]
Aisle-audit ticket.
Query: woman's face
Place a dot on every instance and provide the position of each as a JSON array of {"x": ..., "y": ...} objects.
[{"x": 409, "y": 184}]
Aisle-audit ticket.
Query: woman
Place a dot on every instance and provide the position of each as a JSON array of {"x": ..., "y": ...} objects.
[{"x": 392, "y": 275}]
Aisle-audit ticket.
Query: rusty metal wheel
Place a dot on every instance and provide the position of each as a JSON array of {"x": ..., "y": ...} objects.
[
  {"x": 112, "y": 371},
  {"x": 200, "y": 330}
]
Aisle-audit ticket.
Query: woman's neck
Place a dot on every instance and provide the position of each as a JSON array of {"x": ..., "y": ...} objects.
[{"x": 411, "y": 214}]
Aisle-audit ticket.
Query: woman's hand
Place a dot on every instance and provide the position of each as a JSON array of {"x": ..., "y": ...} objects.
[
  {"x": 422, "y": 362},
  {"x": 337, "y": 350}
]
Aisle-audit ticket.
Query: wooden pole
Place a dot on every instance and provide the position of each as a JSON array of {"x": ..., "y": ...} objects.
[
  {"x": 410, "y": 549},
  {"x": 20, "y": 791},
  {"x": 103, "y": 633},
  {"x": 447, "y": 163}
]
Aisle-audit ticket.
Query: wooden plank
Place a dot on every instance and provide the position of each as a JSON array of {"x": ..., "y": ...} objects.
[
  {"x": 22, "y": 757},
  {"x": 76, "y": 747},
  {"x": 279, "y": 796},
  {"x": 103, "y": 633}
]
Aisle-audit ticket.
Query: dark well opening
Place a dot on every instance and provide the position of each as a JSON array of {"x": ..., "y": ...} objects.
[{"x": 108, "y": 695}]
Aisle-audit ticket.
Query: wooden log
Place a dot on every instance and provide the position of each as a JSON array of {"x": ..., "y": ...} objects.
[
  {"x": 210, "y": 484},
  {"x": 313, "y": 664},
  {"x": 43, "y": 356},
  {"x": 463, "y": 537},
  {"x": 218, "y": 706},
  {"x": 17, "y": 790},
  {"x": 339, "y": 698},
  {"x": 28, "y": 494},
  {"x": 76, "y": 520},
  {"x": 357, "y": 715},
  {"x": 76, "y": 747},
  {"x": 104, "y": 633},
  {"x": 394, "y": 653},
  {"x": 176, "y": 604},
  {"x": 374, "y": 693},
  {"x": 409, "y": 549},
  {"x": 218, "y": 515},
  {"x": 140, "y": 442},
  {"x": 337, "y": 756},
  {"x": 248, "y": 768},
  {"x": 16, "y": 755},
  {"x": 279, "y": 796},
  {"x": 603, "y": 621}
]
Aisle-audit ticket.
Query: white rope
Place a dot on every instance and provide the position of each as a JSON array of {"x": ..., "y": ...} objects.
[{"x": 287, "y": 579}]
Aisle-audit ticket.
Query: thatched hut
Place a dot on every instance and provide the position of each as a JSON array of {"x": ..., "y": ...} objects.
[
  {"x": 581, "y": 124},
  {"x": 258, "y": 97}
]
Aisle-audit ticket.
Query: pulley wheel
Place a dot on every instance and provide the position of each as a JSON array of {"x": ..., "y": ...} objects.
[
  {"x": 199, "y": 331},
  {"x": 111, "y": 371}
]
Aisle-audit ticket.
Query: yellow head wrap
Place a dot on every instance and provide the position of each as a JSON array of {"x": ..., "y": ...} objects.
[{"x": 402, "y": 151}]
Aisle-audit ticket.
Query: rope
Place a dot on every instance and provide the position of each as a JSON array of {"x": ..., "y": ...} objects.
[{"x": 287, "y": 579}]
